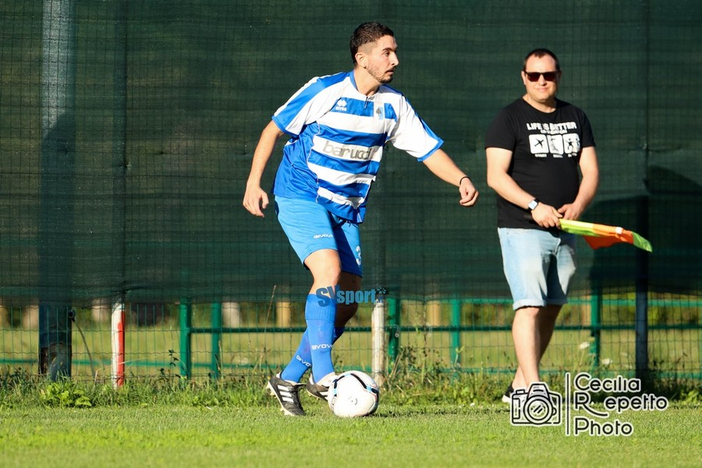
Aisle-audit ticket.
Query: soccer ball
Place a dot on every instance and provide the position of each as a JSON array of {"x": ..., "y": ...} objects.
[{"x": 353, "y": 394}]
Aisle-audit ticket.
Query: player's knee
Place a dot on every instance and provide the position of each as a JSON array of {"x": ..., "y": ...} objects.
[
  {"x": 325, "y": 267},
  {"x": 328, "y": 276}
]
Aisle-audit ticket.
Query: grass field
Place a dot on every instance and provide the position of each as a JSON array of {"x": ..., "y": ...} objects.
[{"x": 398, "y": 435}]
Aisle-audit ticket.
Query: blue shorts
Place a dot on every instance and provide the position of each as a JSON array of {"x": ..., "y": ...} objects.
[
  {"x": 310, "y": 227},
  {"x": 538, "y": 265}
]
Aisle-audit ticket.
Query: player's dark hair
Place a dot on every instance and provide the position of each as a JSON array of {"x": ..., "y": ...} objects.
[
  {"x": 365, "y": 33},
  {"x": 538, "y": 53}
]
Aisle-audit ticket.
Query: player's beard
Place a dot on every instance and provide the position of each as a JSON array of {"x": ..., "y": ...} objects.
[{"x": 381, "y": 76}]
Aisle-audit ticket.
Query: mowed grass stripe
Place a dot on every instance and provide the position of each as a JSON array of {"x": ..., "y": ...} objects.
[{"x": 403, "y": 436}]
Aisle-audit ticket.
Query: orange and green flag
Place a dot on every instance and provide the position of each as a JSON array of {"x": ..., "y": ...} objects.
[{"x": 602, "y": 235}]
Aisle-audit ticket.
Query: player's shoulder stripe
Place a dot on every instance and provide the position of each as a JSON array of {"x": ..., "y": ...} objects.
[
  {"x": 318, "y": 84},
  {"x": 329, "y": 80},
  {"x": 321, "y": 83}
]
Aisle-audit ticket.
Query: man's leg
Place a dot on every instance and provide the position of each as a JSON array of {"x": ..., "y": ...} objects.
[
  {"x": 527, "y": 345},
  {"x": 326, "y": 271},
  {"x": 559, "y": 275},
  {"x": 558, "y": 280},
  {"x": 310, "y": 232},
  {"x": 532, "y": 334},
  {"x": 325, "y": 244},
  {"x": 344, "y": 313},
  {"x": 547, "y": 323},
  {"x": 527, "y": 260},
  {"x": 319, "y": 316},
  {"x": 302, "y": 360}
]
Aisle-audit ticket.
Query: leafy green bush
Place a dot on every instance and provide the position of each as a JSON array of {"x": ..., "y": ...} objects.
[{"x": 64, "y": 393}]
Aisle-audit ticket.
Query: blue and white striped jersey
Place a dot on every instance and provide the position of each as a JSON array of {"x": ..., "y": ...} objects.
[{"x": 338, "y": 137}]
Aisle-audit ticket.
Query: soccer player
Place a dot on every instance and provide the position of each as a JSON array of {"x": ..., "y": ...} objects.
[
  {"x": 534, "y": 149},
  {"x": 339, "y": 126}
]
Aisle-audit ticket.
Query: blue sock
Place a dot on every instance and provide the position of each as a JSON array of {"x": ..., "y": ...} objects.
[
  {"x": 320, "y": 333},
  {"x": 302, "y": 360}
]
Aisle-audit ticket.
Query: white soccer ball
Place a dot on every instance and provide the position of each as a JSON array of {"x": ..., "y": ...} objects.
[{"x": 353, "y": 394}]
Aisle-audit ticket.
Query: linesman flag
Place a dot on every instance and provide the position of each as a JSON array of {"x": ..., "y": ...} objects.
[{"x": 602, "y": 235}]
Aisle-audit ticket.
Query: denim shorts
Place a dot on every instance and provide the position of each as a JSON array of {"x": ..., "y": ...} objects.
[
  {"x": 538, "y": 265},
  {"x": 310, "y": 227}
]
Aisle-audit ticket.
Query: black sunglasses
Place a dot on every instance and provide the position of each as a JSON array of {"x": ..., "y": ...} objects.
[{"x": 548, "y": 76}]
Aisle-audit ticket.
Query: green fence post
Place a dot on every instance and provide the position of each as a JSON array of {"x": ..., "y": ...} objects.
[
  {"x": 641, "y": 320},
  {"x": 456, "y": 334},
  {"x": 216, "y": 339},
  {"x": 393, "y": 330},
  {"x": 186, "y": 358},
  {"x": 595, "y": 322}
]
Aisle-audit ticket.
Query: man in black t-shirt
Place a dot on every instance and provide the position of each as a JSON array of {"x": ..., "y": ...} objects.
[{"x": 542, "y": 163}]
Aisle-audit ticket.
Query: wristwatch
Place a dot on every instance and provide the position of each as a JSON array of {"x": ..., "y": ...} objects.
[{"x": 533, "y": 204}]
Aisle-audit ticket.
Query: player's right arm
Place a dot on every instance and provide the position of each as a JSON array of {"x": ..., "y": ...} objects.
[
  {"x": 255, "y": 198},
  {"x": 498, "y": 178}
]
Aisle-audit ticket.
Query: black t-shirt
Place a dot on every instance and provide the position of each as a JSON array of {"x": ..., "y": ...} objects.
[{"x": 546, "y": 150}]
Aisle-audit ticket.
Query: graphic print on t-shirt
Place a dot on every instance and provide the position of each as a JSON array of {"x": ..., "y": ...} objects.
[
  {"x": 538, "y": 145},
  {"x": 555, "y": 145},
  {"x": 572, "y": 144},
  {"x": 553, "y": 139}
]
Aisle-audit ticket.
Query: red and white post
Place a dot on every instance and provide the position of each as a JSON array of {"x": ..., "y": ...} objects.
[{"x": 118, "y": 345}]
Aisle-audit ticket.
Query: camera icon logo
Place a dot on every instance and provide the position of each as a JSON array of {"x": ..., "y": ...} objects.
[{"x": 536, "y": 407}]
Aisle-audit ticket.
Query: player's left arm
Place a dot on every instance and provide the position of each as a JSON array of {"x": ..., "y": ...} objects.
[
  {"x": 588, "y": 185},
  {"x": 442, "y": 166}
]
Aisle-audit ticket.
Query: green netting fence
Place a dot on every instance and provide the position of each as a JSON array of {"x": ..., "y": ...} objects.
[{"x": 126, "y": 135}]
